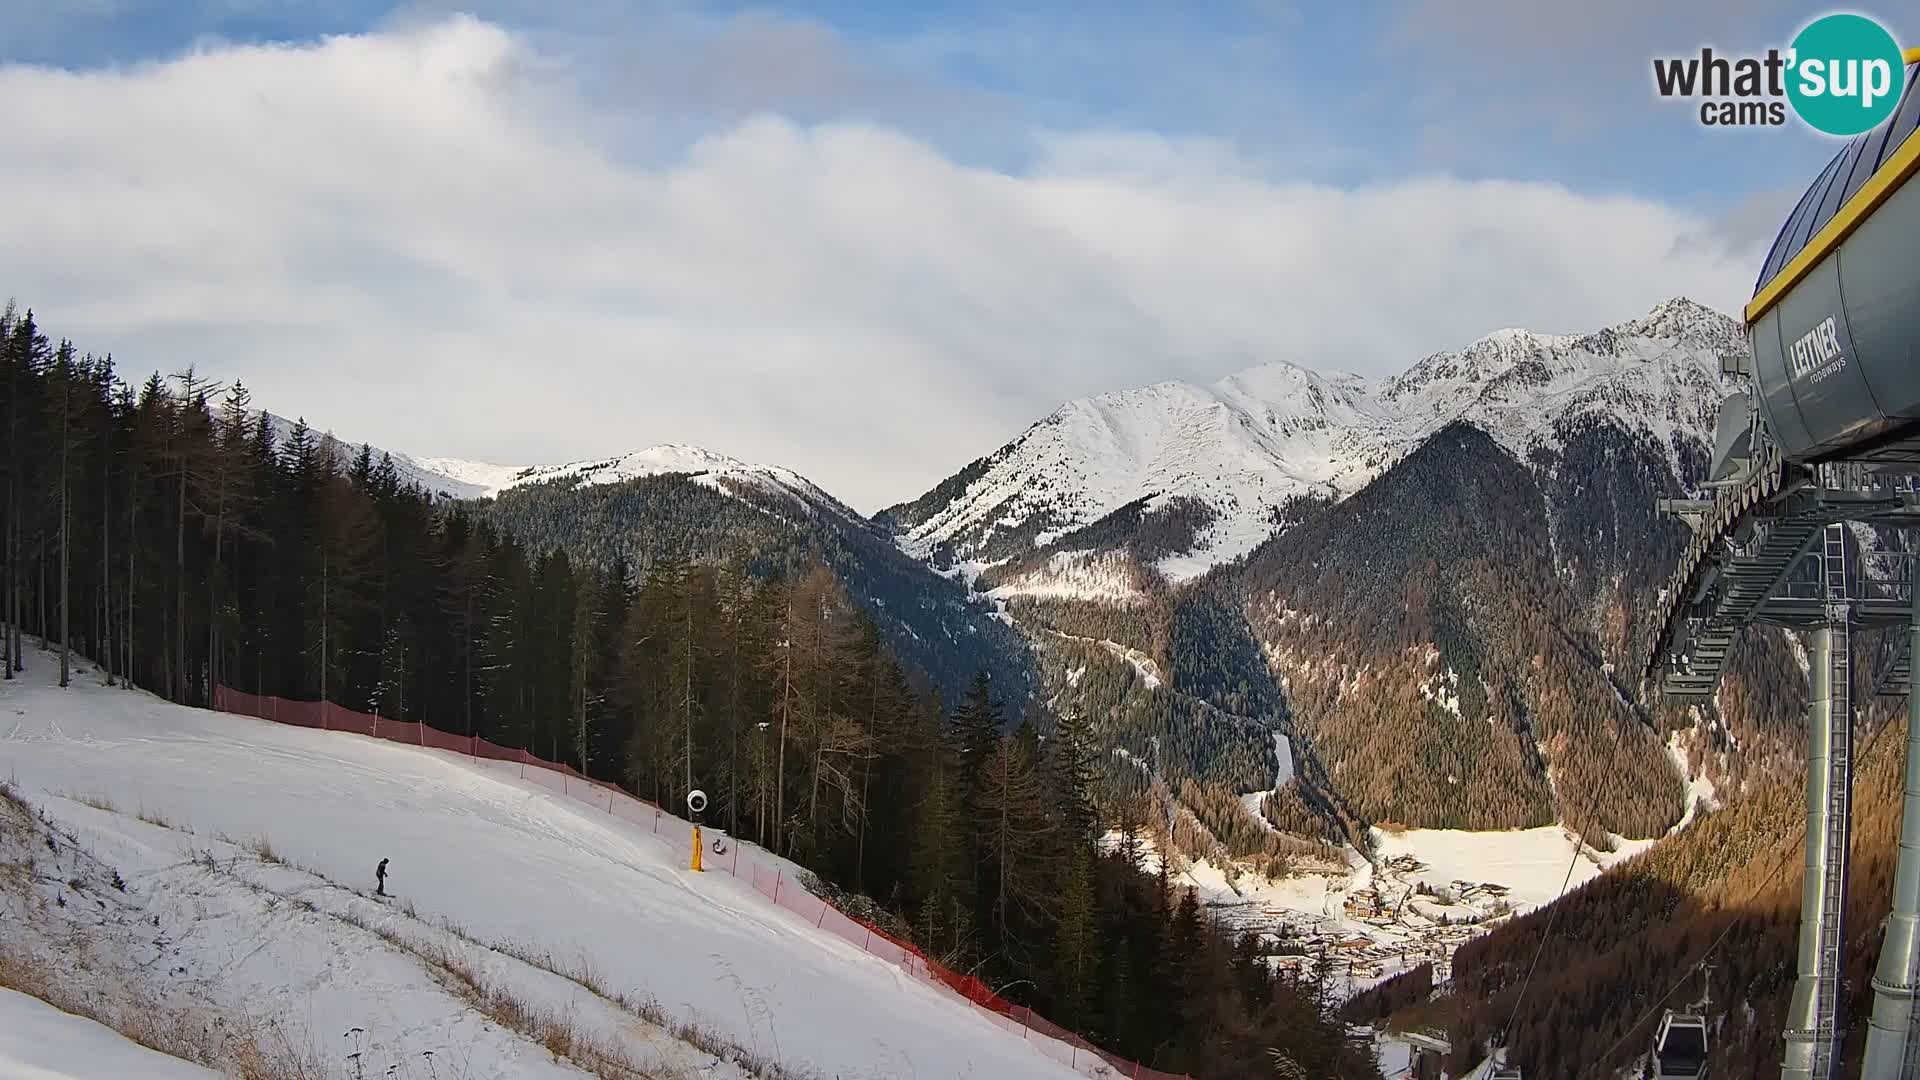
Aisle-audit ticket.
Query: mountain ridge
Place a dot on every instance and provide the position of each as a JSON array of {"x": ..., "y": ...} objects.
[{"x": 1247, "y": 443}]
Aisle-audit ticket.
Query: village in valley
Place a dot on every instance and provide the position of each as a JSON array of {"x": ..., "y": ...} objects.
[
  {"x": 1420, "y": 895},
  {"x": 1366, "y": 932}
]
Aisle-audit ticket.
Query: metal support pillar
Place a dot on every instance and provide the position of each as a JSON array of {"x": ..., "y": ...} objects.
[
  {"x": 1893, "y": 1044},
  {"x": 1814, "y": 1026}
]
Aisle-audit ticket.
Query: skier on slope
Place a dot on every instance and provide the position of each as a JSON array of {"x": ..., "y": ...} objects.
[{"x": 380, "y": 876}]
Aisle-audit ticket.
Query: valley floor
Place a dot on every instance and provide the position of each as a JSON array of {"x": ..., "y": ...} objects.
[
  {"x": 218, "y": 868},
  {"x": 1373, "y": 917}
]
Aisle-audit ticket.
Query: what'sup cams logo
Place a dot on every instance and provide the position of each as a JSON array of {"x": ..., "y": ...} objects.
[{"x": 1842, "y": 75}]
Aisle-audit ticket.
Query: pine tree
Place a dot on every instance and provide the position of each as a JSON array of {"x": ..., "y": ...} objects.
[
  {"x": 188, "y": 455},
  {"x": 941, "y": 869},
  {"x": 65, "y": 402},
  {"x": 232, "y": 492},
  {"x": 1070, "y": 761},
  {"x": 346, "y": 533},
  {"x": 1076, "y": 946},
  {"x": 583, "y": 638}
]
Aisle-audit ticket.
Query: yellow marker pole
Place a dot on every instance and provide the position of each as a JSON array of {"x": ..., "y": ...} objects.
[
  {"x": 696, "y": 847},
  {"x": 1911, "y": 56}
]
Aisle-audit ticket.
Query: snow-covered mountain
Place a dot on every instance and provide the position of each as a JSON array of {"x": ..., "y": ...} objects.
[
  {"x": 444, "y": 477},
  {"x": 1241, "y": 446},
  {"x": 489, "y": 480},
  {"x": 460, "y": 478}
]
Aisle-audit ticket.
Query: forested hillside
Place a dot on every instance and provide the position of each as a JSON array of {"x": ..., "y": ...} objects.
[
  {"x": 1725, "y": 892},
  {"x": 1454, "y": 640},
  {"x": 929, "y": 621},
  {"x": 167, "y": 532}
]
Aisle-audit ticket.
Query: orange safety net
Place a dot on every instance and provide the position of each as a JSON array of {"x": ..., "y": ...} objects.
[{"x": 772, "y": 883}]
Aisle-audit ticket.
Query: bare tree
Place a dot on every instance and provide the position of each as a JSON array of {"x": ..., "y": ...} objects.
[{"x": 1017, "y": 837}]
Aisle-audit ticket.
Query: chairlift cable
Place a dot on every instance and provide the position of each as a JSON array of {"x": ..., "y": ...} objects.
[
  {"x": 1553, "y": 914},
  {"x": 1600, "y": 1061}
]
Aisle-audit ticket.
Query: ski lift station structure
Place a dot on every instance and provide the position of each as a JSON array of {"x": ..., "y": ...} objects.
[{"x": 1823, "y": 437}]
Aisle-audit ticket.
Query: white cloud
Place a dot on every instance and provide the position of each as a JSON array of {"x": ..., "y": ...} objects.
[{"x": 426, "y": 238}]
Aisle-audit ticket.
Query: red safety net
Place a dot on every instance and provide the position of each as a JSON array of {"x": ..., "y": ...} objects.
[{"x": 771, "y": 882}]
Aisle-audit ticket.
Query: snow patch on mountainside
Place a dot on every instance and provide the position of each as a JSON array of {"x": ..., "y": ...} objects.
[
  {"x": 1073, "y": 575},
  {"x": 1143, "y": 665},
  {"x": 1283, "y": 774},
  {"x": 1246, "y": 443},
  {"x": 1700, "y": 789},
  {"x": 483, "y": 479}
]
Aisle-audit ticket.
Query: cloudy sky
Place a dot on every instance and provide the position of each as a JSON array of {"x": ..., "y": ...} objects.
[{"x": 867, "y": 246}]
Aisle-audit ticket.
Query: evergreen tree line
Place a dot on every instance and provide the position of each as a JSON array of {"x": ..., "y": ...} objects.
[{"x": 182, "y": 540}]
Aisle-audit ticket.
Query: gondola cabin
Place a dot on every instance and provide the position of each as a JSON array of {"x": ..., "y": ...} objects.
[{"x": 1679, "y": 1048}]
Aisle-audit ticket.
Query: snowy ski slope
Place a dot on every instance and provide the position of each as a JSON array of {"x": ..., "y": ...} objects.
[
  {"x": 39, "y": 1042},
  {"x": 503, "y": 858}
]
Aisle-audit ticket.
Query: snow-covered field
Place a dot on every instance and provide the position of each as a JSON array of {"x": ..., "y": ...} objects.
[
  {"x": 39, "y": 1042},
  {"x": 1531, "y": 863},
  {"x": 473, "y": 848}
]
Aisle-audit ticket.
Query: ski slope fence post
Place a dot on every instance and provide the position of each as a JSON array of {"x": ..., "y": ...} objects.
[{"x": 871, "y": 939}]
